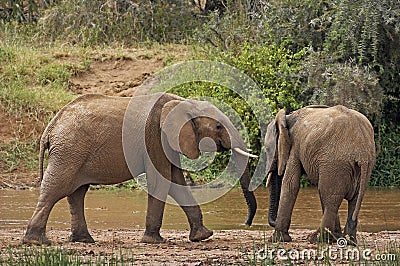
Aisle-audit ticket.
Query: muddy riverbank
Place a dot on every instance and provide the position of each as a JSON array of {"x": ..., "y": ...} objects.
[{"x": 224, "y": 247}]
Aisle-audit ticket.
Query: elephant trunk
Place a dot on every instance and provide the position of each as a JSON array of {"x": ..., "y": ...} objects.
[
  {"x": 248, "y": 195},
  {"x": 274, "y": 195},
  {"x": 241, "y": 158}
]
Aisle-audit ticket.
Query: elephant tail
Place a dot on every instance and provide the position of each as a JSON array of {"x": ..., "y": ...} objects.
[
  {"x": 44, "y": 145},
  {"x": 366, "y": 169}
]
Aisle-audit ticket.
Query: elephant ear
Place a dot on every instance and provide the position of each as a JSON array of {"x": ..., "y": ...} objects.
[
  {"x": 176, "y": 123},
  {"x": 284, "y": 142},
  {"x": 270, "y": 142}
]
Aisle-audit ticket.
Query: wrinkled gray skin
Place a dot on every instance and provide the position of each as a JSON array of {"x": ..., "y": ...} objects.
[
  {"x": 85, "y": 147},
  {"x": 335, "y": 148}
]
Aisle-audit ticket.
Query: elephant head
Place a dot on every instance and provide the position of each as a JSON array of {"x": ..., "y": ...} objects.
[
  {"x": 191, "y": 126},
  {"x": 277, "y": 147}
]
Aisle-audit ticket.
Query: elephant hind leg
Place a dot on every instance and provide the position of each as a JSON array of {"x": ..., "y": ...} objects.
[
  {"x": 36, "y": 230},
  {"x": 329, "y": 230},
  {"x": 330, "y": 224},
  {"x": 350, "y": 228},
  {"x": 337, "y": 232},
  {"x": 79, "y": 231},
  {"x": 316, "y": 236},
  {"x": 51, "y": 191}
]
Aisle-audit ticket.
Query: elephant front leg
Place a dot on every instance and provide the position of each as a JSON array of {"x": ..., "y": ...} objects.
[
  {"x": 198, "y": 231},
  {"x": 158, "y": 184},
  {"x": 193, "y": 213},
  {"x": 182, "y": 195},
  {"x": 79, "y": 231},
  {"x": 155, "y": 211},
  {"x": 289, "y": 191}
]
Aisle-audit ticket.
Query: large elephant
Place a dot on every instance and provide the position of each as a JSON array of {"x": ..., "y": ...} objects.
[
  {"x": 334, "y": 147},
  {"x": 86, "y": 146}
]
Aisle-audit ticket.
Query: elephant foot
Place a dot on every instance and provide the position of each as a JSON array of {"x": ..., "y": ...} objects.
[
  {"x": 313, "y": 237},
  {"x": 351, "y": 240},
  {"x": 31, "y": 240},
  {"x": 324, "y": 237},
  {"x": 85, "y": 238},
  {"x": 153, "y": 238},
  {"x": 200, "y": 234},
  {"x": 280, "y": 236}
]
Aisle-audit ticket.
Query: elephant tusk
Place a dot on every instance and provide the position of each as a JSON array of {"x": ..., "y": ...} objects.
[
  {"x": 248, "y": 149},
  {"x": 242, "y": 152},
  {"x": 268, "y": 179}
]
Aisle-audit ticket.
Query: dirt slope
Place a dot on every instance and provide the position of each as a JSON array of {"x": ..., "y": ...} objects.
[{"x": 118, "y": 77}]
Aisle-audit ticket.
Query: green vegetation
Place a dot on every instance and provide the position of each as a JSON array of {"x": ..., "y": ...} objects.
[
  {"x": 299, "y": 53},
  {"x": 263, "y": 253},
  {"x": 33, "y": 88},
  {"x": 42, "y": 255}
]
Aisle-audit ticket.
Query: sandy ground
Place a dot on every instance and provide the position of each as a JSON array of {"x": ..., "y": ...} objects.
[{"x": 224, "y": 247}]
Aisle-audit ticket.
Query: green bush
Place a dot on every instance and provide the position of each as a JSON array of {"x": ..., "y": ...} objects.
[
  {"x": 360, "y": 34},
  {"x": 386, "y": 172},
  {"x": 19, "y": 10},
  {"x": 126, "y": 22},
  {"x": 331, "y": 83},
  {"x": 274, "y": 68}
]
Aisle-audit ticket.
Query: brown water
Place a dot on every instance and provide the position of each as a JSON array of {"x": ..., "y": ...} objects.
[{"x": 127, "y": 209}]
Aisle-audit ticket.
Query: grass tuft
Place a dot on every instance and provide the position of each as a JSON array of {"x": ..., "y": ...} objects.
[{"x": 47, "y": 256}]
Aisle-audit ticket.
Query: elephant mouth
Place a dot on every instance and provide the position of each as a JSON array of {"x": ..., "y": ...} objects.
[{"x": 220, "y": 146}]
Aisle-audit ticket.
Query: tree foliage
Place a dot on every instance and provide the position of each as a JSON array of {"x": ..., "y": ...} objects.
[{"x": 363, "y": 32}]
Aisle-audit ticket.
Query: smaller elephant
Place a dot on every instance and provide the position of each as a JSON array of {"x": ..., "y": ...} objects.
[
  {"x": 335, "y": 148},
  {"x": 97, "y": 139}
]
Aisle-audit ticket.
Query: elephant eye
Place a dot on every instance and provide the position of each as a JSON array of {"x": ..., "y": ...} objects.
[{"x": 219, "y": 126}]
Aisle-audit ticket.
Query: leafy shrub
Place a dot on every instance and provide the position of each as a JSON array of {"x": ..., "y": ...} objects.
[
  {"x": 20, "y": 10},
  {"x": 274, "y": 68},
  {"x": 126, "y": 22},
  {"x": 365, "y": 32},
  {"x": 229, "y": 32},
  {"x": 386, "y": 172},
  {"x": 302, "y": 23},
  {"x": 332, "y": 83},
  {"x": 369, "y": 32}
]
